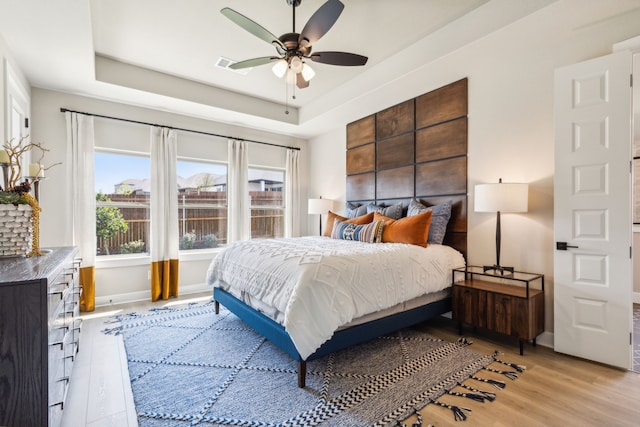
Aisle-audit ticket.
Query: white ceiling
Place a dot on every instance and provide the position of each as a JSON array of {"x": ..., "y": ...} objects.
[{"x": 162, "y": 53}]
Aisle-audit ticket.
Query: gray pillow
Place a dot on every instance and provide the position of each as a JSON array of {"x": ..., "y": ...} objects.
[
  {"x": 439, "y": 219},
  {"x": 393, "y": 212},
  {"x": 351, "y": 210}
]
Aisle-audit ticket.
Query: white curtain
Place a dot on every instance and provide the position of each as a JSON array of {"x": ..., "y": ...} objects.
[
  {"x": 80, "y": 158},
  {"x": 164, "y": 234},
  {"x": 239, "y": 215},
  {"x": 292, "y": 194}
]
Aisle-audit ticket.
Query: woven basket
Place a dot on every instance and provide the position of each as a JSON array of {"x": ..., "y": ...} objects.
[{"x": 16, "y": 230}]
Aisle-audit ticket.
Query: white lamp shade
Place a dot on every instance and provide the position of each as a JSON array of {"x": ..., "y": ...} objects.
[
  {"x": 307, "y": 72},
  {"x": 296, "y": 64},
  {"x": 320, "y": 206},
  {"x": 280, "y": 68},
  {"x": 501, "y": 197},
  {"x": 291, "y": 76}
]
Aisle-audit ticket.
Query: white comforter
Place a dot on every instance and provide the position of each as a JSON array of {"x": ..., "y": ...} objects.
[{"x": 321, "y": 284}]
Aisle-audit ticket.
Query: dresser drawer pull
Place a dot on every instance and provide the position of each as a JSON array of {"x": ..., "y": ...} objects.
[
  {"x": 60, "y": 343},
  {"x": 61, "y": 404},
  {"x": 59, "y": 328},
  {"x": 56, "y": 293}
]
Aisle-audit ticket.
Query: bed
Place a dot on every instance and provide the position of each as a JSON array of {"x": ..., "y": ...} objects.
[{"x": 409, "y": 156}]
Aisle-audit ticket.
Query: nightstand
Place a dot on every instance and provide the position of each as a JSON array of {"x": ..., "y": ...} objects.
[{"x": 510, "y": 304}]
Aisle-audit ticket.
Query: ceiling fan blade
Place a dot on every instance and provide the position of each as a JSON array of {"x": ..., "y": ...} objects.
[
  {"x": 320, "y": 22},
  {"x": 253, "y": 62},
  {"x": 301, "y": 82},
  {"x": 252, "y": 27},
  {"x": 339, "y": 58}
]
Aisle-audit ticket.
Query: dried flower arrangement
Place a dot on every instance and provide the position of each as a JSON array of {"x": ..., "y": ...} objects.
[{"x": 19, "y": 193}]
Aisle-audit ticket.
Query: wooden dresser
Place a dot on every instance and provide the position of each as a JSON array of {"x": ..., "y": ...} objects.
[{"x": 39, "y": 335}]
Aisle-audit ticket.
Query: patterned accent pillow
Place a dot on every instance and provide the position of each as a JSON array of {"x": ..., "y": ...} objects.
[
  {"x": 352, "y": 210},
  {"x": 393, "y": 212},
  {"x": 331, "y": 217},
  {"x": 439, "y": 220},
  {"x": 412, "y": 229},
  {"x": 369, "y": 233}
]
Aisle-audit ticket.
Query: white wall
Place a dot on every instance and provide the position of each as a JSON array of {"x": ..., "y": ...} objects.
[
  {"x": 511, "y": 134},
  {"x": 118, "y": 280}
]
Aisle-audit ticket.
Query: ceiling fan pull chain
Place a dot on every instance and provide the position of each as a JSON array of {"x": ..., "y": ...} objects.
[{"x": 286, "y": 96}]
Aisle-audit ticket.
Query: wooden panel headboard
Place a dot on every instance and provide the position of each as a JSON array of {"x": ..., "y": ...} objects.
[{"x": 416, "y": 149}]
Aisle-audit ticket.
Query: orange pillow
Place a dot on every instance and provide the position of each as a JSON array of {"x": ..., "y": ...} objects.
[
  {"x": 359, "y": 220},
  {"x": 412, "y": 229}
]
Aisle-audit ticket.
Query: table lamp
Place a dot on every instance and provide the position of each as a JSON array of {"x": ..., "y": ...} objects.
[
  {"x": 505, "y": 198},
  {"x": 320, "y": 206}
]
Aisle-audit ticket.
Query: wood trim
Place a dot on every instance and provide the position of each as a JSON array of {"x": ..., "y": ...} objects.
[
  {"x": 395, "y": 120},
  {"x": 361, "y": 132},
  {"x": 361, "y": 159},
  {"x": 441, "y": 105},
  {"x": 429, "y": 141}
]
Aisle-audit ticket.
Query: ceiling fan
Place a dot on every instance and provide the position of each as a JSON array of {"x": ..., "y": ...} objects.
[{"x": 293, "y": 48}]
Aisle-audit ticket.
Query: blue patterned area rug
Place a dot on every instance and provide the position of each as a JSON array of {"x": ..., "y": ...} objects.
[{"x": 189, "y": 366}]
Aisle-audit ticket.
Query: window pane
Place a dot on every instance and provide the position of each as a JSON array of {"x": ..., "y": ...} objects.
[
  {"x": 122, "y": 188},
  {"x": 202, "y": 204},
  {"x": 266, "y": 192}
]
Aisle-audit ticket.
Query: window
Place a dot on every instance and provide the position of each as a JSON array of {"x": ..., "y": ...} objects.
[
  {"x": 266, "y": 192},
  {"x": 122, "y": 188},
  {"x": 202, "y": 204}
]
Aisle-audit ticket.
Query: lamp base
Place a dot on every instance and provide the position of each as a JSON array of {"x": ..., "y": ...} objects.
[{"x": 498, "y": 268}]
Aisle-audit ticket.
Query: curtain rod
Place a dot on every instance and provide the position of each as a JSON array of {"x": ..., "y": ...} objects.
[{"x": 64, "y": 110}]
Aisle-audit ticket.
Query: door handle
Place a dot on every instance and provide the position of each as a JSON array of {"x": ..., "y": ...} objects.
[{"x": 562, "y": 246}]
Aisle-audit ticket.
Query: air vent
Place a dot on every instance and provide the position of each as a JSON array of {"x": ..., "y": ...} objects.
[{"x": 225, "y": 63}]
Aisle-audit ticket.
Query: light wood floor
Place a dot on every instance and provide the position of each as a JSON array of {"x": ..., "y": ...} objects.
[{"x": 555, "y": 390}]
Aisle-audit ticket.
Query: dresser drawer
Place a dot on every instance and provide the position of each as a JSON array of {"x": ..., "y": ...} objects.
[{"x": 56, "y": 296}]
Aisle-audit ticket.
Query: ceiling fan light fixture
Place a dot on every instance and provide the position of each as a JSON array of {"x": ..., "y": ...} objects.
[
  {"x": 291, "y": 76},
  {"x": 280, "y": 68},
  {"x": 296, "y": 64},
  {"x": 294, "y": 47},
  {"x": 307, "y": 72}
]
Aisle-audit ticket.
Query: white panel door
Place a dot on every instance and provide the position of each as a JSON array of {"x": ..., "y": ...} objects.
[{"x": 592, "y": 210}]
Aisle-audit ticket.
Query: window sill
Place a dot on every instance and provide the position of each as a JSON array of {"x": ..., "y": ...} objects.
[
  {"x": 199, "y": 254},
  {"x": 116, "y": 261}
]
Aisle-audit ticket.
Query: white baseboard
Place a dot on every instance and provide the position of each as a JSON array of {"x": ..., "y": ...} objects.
[
  {"x": 636, "y": 297},
  {"x": 145, "y": 295}
]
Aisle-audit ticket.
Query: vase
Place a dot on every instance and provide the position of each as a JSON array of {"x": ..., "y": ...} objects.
[{"x": 16, "y": 230}]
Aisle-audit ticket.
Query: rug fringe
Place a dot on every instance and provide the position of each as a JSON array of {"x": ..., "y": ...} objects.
[
  {"x": 488, "y": 395},
  {"x": 464, "y": 341},
  {"x": 112, "y": 331},
  {"x": 418, "y": 422},
  {"x": 473, "y": 396},
  {"x": 495, "y": 383},
  {"x": 509, "y": 374},
  {"x": 459, "y": 412}
]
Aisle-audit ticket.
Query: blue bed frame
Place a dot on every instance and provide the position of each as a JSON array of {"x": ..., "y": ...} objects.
[{"x": 341, "y": 340}]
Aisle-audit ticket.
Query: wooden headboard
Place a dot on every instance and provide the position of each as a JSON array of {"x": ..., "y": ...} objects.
[{"x": 416, "y": 149}]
